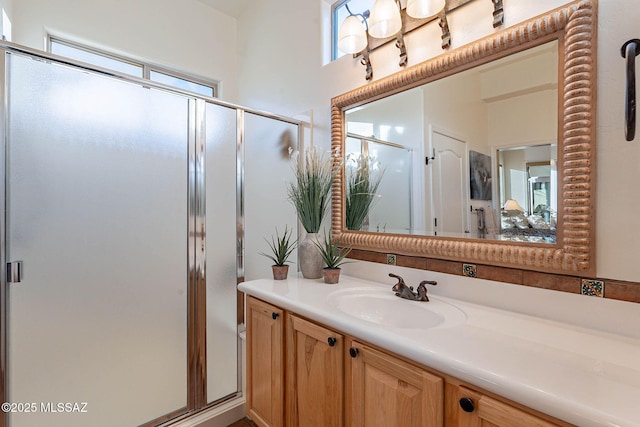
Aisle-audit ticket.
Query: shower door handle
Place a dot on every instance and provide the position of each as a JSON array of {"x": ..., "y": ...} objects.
[
  {"x": 630, "y": 50},
  {"x": 14, "y": 272}
]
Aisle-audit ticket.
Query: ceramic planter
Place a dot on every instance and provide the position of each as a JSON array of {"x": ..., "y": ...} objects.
[
  {"x": 280, "y": 272},
  {"x": 310, "y": 261},
  {"x": 331, "y": 275}
]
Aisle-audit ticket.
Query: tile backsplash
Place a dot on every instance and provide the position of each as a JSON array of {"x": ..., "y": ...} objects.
[{"x": 615, "y": 289}]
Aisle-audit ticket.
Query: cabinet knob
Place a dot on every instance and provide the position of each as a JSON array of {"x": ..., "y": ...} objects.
[
  {"x": 353, "y": 352},
  {"x": 467, "y": 404},
  {"x": 331, "y": 341},
  {"x": 274, "y": 315}
]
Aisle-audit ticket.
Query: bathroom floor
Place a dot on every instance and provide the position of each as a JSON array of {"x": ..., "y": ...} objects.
[{"x": 245, "y": 422}]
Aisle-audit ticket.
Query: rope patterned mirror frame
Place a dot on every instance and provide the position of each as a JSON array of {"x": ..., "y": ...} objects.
[{"x": 574, "y": 27}]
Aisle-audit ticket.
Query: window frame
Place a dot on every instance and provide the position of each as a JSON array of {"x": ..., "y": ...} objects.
[
  {"x": 146, "y": 68},
  {"x": 335, "y": 52}
]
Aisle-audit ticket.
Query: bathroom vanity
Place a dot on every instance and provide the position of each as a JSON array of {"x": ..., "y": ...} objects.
[{"x": 354, "y": 354}]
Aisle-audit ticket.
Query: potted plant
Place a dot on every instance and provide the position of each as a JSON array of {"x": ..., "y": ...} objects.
[
  {"x": 363, "y": 179},
  {"x": 281, "y": 248},
  {"x": 309, "y": 194},
  {"x": 333, "y": 256}
]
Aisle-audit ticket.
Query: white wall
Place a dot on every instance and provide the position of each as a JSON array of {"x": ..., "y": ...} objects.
[
  {"x": 515, "y": 170},
  {"x": 186, "y": 36},
  {"x": 455, "y": 107},
  {"x": 288, "y": 32},
  {"x": 508, "y": 127}
]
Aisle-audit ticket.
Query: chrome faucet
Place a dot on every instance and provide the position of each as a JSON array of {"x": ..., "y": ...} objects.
[{"x": 403, "y": 291}]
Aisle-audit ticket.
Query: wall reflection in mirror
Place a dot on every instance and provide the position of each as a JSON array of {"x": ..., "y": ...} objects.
[{"x": 451, "y": 153}]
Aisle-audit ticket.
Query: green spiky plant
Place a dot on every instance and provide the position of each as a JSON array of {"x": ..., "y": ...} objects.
[
  {"x": 363, "y": 179},
  {"x": 332, "y": 254},
  {"x": 281, "y": 247},
  {"x": 309, "y": 192}
]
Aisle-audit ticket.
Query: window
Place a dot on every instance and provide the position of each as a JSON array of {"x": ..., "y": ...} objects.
[
  {"x": 338, "y": 14},
  {"x": 133, "y": 68}
]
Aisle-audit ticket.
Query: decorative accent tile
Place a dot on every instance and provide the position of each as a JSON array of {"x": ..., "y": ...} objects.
[
  {"x": 469, "y": 270},
  {"x": 593, "y": 288},
  {"x": 391, "y": 259}
]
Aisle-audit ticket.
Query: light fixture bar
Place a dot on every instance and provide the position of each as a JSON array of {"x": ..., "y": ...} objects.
[
  {"x": 446, "y": 34},
  {"x": 498, "y": 13},
  {"x": 408, "y": 24}
]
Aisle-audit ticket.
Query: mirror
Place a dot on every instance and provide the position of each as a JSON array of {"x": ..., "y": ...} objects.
[
  {"x": 453, "y": 139},
  {"x": 433, "y": 144}
]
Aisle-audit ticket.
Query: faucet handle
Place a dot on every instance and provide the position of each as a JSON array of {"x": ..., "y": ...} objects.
[
  {"x": 422, "y": 289},
  {"x": 428, "y": 282},
  {"x": 398, "y": 286}
]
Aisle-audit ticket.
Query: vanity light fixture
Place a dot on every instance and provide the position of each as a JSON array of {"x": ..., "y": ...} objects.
[{"x": 362, "y": 33}]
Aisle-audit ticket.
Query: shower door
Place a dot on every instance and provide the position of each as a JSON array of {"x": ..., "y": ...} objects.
[
  {"x": 266, "y": 174},
  {"x": 97, "y": 211}
]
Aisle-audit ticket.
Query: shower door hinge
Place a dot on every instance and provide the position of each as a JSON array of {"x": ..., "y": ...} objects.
[{"x": 14, "y": 272}]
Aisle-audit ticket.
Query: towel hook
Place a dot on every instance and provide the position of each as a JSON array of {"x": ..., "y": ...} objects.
[{"x": 630, "y": 50}]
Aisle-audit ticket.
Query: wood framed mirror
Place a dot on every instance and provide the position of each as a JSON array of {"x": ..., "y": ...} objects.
[{"x": 571, "y": 30}]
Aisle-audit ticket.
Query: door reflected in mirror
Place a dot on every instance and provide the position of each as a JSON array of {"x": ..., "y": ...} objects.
[{"x": 441, "y": 148}]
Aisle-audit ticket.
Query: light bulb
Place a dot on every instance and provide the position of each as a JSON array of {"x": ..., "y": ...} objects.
[
  {"x": 424, "y": 8},
  {"x": 352, "y": 36},
  {"x": 385, "y": 19}
]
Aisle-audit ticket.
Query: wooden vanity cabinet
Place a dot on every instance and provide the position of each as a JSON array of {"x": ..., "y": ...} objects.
[
  {"x": 315, "y": 360},
  {"x": 335, "y": 381},
  {"x": 471, "y": 408},
  {"x": 383, "y": 390},
  {"x": 265, "y": 363}
]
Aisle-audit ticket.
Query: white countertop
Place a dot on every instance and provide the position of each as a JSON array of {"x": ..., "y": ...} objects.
[{"x": 583, "y": 376}]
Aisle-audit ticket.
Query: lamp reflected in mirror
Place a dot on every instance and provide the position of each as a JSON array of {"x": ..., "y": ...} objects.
[
  {"x": 513, "y": 205},
  {"x": 528, "y": 180}
]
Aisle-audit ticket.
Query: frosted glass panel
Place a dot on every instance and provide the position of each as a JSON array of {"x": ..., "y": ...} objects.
[
  {"x": 267, "y": 169},
  {"x": 394, "y": 188},
  {"x": 98, "y": 213},
  {"x": 220, "y": 171}
]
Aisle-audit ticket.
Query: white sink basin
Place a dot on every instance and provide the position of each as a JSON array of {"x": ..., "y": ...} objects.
[{"x": 382, "y": 307}]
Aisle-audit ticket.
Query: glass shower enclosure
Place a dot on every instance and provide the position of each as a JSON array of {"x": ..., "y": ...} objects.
[{"x": 124, "y": 230}]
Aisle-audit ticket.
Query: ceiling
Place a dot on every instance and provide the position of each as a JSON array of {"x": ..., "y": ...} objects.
[{"x": 230, "y": 7}]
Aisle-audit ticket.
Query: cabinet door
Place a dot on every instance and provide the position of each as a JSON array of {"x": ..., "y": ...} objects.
[
  {"x": 265, "y": 364},
  {"x": 386, "y": 391},
  {"x": 315, "y": 360},
  {"x": 474, "y": 409}
]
